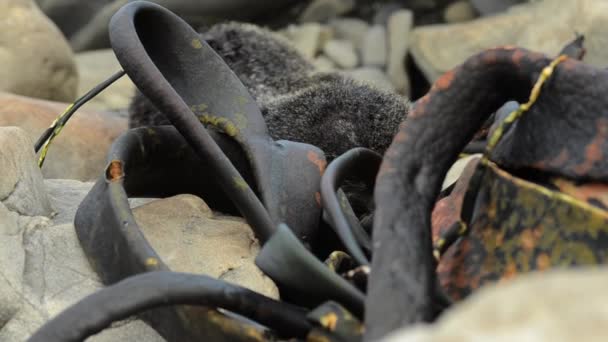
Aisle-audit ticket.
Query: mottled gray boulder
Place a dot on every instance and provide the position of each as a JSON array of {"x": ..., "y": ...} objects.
[
  {"x": 35, "y": 58},
  {"x": 43, "y": 269},
  {"x": 541, "y": 26},
  {"x": 97, "y": 66},
  {"x": 556, "y": 306},
  {"x": 21, "y": 185}
]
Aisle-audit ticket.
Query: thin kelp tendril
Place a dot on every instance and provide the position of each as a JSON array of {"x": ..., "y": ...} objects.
[{"x": 50, "y": 133}]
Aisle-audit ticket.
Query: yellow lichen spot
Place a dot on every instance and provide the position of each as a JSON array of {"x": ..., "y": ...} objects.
[
  {"x": 151, "y": 262},
  {"x": 196, "y": 43},
  {"x": 240, "y": 183},
  {"x": 241, "y": 120},
  {"x": 223, "y": 124},
  {"x": 254, "y": 333},
  {"x": 329, "y": 321}
]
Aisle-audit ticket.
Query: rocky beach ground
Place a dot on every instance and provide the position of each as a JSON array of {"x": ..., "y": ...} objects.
[{"x": 54, "y": 51}]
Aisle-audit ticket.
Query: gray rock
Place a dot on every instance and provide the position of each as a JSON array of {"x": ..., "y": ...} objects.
[
  {"x": 459, "y": 11},
  {"x": 459, "y": 41},
  {"x": 53, "y": 273},
  {"x": 341, "y": 52},
  {"x": 351, "y": 29},
  {"x": 399, "y": 27},
  {"x": 322, "y": 10},
  {"x": 70, "y": 15},
  {"x": 94, "y": 35},
  {"x": 95, "y": 67},
  {"x": 65, "y": 196},
  {"x": 36, "y": 59},
  {"x": 373, "y": 51},
  {"x": 489, "y": 7},
  {"x": 43, "y": 269},
  {"x": 556, "y": 306},
  {"x": 372, "y": 76},
  {"x": 21, "y": 186}
]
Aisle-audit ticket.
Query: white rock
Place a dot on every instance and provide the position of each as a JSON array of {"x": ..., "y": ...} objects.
[
  {"x": 372, "y": 76},
  {"x": 21, "y": 186},
  {"x": 351, "y": 29},
  {"x": 556, "y": 306},
  {"x": 35, "y": 58},
  {"x": 342, "y": 52},
  {"x": 374, "y": 48},
  {"x": 459, "y": 11},
  {"x": 306, "y": 38},
  {"x": 322, "y": 10},
  {"x": 324, "y": 64},
  {"x": 399, "y": 27}
]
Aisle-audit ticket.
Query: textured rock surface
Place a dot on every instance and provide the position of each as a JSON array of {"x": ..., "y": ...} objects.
[
  {"x": 21, "y": 185},
  {"x": 79, "y": 152},
  {"x": 36, "y": 59},
  {"x": 189, "y": 237},
  {"x": 550, "y": 307},
  {"x": 549, "y": 25},
  {"x": 97, "y": 66},
  {"x": 43, "y": 268}
]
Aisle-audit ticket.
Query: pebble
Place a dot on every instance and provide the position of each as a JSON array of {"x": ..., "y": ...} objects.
[
  {"x": 399, "y": 28},
  {"x": 323, "y": 10},
  {"x": 385, "y": 11},
  {"x": 342, "y": 52},
  {"x": 459, "y": 11},
  {"x": 306, "y": 38},
  {"x": 324, "y": 64},
  {"x": 351, "y": 29},
  {"x": 373, "y": 51}
]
